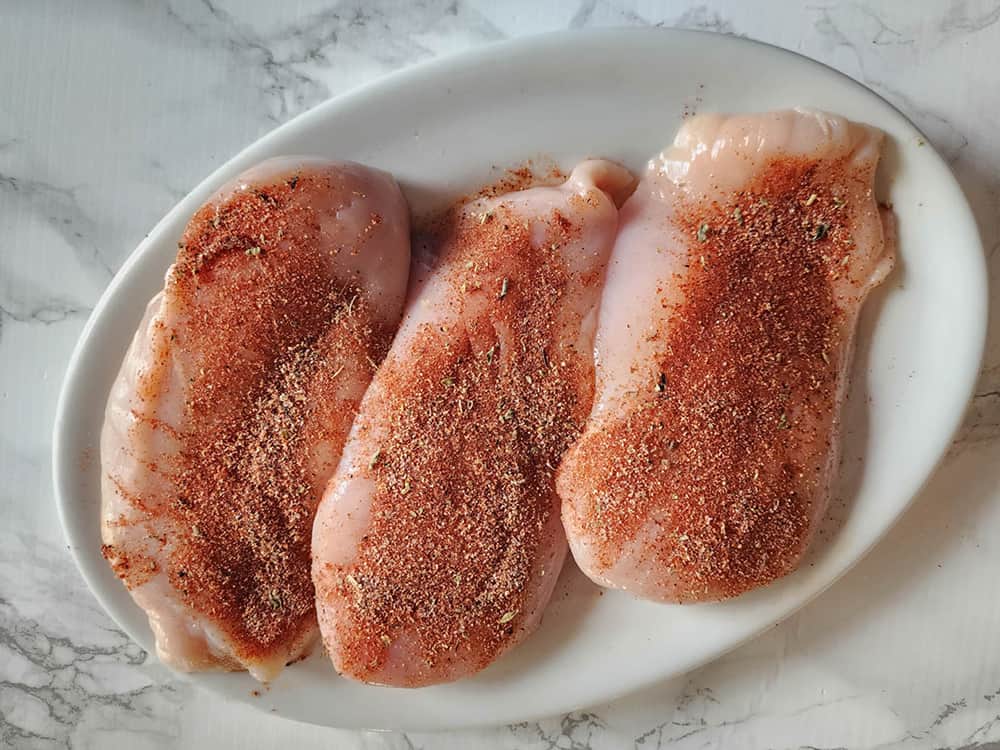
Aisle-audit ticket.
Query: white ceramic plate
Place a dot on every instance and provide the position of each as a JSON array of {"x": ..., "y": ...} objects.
[{"x": 439, "y": 127}]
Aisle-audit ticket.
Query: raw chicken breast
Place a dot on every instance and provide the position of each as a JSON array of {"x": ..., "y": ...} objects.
[
  {"x": 438, "y": 541},
  {"x": 234, "y": 401},
  {"x": 723, "y": 346}
]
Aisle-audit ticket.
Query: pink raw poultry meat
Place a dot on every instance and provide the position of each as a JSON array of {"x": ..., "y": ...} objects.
[
  {"x": 234, "y": 400},
  {"x": 439, "y": 542},
  {"x": 723, "y": 345}
]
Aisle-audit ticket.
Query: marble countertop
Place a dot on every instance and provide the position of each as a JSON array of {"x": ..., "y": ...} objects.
[{"x": 110, "y": 111}]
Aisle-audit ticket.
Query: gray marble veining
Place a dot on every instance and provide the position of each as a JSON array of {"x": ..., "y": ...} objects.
[{"x": 111, "y": 110}]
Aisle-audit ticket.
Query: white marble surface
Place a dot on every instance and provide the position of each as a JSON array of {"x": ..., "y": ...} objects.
[{"x": 111, "y": 110}]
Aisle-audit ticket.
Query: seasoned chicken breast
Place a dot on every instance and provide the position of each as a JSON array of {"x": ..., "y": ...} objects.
[
  {"x": 234, "y": 400},
  {"x": 723, "y": 346},
  {"x": 438, "y": 542}
]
